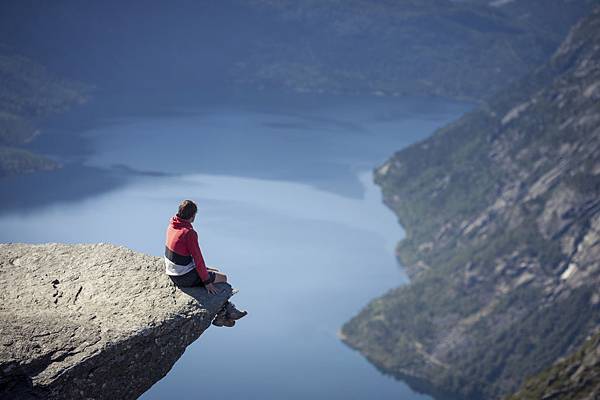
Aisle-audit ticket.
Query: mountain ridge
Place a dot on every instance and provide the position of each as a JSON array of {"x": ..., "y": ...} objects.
[
  {"x": 464, "y": 50},
  {"x": 502, "y": 218}
]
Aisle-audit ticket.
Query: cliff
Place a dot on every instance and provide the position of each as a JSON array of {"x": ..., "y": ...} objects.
[
  {"x": 574, "y": 378},
  {"x": 502, "y": 215},
  {"x": 92, "y": 321}
]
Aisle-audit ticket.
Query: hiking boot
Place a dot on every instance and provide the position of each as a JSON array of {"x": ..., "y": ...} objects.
[
  {"x": 223, "y": 320},
  {"x": 233, "y": 313}
]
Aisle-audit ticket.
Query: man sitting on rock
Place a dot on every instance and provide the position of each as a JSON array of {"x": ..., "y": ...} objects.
[{"x": 185, "y": 264}]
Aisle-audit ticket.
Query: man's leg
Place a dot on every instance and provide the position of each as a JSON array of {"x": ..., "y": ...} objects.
[
  {"x": 229, "y": 312},
  {"x": 220, "y": 277}
]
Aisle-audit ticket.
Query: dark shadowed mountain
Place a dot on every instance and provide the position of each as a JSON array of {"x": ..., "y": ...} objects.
[
  {"x": 188, "y": 49},
  {"x": 29, "y": 94},
  {"x": 466, "y": 49},
  {"x": 458, "y": 49}
]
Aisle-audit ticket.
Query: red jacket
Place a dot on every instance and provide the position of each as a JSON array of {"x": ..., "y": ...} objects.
[{"x": 182, "y": 240}]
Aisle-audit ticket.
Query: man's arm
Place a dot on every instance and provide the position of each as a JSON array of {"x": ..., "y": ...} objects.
[{"x": 192, "y": 238}]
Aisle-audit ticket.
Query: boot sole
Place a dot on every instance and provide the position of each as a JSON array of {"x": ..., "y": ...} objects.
[
  {"x": 236, "y": 318},
  {"x": 224, "y": 324}
]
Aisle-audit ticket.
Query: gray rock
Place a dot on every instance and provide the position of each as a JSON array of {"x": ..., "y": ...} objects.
[
  {"x": 574, "y": 377},
  {"x": 512, "y": 243},
  {"x": 92, "y": 320}
]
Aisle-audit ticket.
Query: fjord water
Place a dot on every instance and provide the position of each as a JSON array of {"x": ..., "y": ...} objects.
[{"x": 287, "y": 209}]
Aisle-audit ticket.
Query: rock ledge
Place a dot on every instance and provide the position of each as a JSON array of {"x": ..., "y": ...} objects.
[{"x": 92, "y": 320}]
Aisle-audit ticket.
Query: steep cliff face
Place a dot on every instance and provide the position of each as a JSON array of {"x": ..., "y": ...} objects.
[
  {"x": 502, "y": 213},
  {"x": 574, "y": 378},
  {"x": 92, "y": 321}
]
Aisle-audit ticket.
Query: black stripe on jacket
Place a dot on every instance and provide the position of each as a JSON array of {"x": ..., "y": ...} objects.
[{"x": 177, "y": 258}]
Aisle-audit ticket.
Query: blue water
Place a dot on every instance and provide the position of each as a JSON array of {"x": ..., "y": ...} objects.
[{"x": 287, "y": 209}]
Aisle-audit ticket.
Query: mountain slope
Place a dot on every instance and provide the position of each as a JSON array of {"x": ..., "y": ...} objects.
[
  {"x": 461, "y": 49},
  {"x": 467, "y": 49},
  {"x": 502, "y": 214},
  {"x": 575, "y": 378},
  {"x": 29, "y": 94}
]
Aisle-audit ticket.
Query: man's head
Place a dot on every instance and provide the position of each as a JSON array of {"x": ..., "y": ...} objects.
[{"x": 187, "y": 210}]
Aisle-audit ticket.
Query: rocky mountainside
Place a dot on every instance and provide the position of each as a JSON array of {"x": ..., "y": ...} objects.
[
  {"x": 29, "y": 94},
  {"x": 502, "y": 215},
  {"x": 460, "y": 49},
  {"x": 92, "y": 321},
  {"x": 575, "y": 378}
]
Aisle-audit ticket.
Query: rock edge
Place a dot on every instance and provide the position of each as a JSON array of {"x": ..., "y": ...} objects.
[{"x": 92, "y": 320}]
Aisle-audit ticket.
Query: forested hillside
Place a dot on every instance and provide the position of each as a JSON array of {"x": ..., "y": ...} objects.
[
  {"x": 502, "y": 214},
  {"x": 29, "y": 94}
]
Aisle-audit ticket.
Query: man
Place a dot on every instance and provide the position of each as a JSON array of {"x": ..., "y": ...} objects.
[{"x": 185, "y": 265}]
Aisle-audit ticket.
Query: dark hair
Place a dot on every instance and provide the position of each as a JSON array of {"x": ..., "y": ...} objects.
[{"x": 187, "y": 209}]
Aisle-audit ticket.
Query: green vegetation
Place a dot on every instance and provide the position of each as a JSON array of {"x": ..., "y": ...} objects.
[
  {"x": 29, "y": 94},
  {"x": 496, "y": 206},
  {"x": 16, "y": 161},
  {"x": 460, "y": 49},
  {"x": 576, "y": 377},
  {"x": 14, "y": 130}
]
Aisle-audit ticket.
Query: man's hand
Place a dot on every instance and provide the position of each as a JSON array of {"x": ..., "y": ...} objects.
[{"x": 211, "y": 289}]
